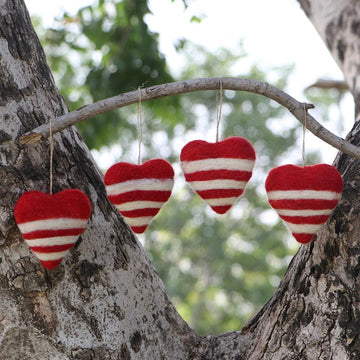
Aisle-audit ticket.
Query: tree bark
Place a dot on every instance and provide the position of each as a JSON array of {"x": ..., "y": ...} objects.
[
  {"x": 105, "y": 300},
  {"x": 338, "y": 23}
]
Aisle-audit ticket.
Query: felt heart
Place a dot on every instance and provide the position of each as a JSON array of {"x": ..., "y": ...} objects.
[
  {"x": 219, "y": 171},
  {"x": 304, "y": 197},
  {"x": 139, "y": 191},
  {"x": 51, "y": 224}
]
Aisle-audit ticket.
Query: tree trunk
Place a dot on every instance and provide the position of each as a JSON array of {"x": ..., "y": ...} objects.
[
  {"x": 338, "y": 23},
  {"x": 105, "y": 300}
]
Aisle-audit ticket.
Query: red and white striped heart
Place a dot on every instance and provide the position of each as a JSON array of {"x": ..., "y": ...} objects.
[
  {"x": 219, "y": 171},
  {"x": 304, "y": 197},
  {"x": 51, "y": 224},
  {"x": 139, "y": 191}
]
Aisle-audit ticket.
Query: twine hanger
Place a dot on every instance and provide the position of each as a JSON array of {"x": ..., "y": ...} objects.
[
  {"x": 51, "y": 140},
  {"x": 219, "y": 100},
  {"x": 304, "y": 132},
  {"x": 139, "y": 125}
]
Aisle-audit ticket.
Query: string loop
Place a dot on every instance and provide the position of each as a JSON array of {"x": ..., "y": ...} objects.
[
  {"x": 218, "y": 109},
  {"x": 139, "y": 126},
  {"x": 51, "y": 140},
  {"x": 304, "y": 131}
]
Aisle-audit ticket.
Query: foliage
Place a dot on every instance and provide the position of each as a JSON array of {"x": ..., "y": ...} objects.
[
  {"x": 324, "y": 99},
  {"x": 330, "y": 107},
  {"x": 104, "y": 50}
]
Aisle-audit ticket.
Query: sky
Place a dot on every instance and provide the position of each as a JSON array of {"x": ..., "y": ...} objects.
[{"x": 274, "y": 33}]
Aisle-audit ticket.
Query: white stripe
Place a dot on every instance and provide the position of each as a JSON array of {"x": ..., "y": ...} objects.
[
  {"x": 302, "y": 194},
  {"x": 139, "y": 221},
  {"x": 303, "y": 228},
  {"x": 140, "y": 184},
  {"x": 135, "y": 205},
  {"x": 52, "y": 224},
  {"x": 308, "y": 212},
  {"x": 221, "y": 201},
  {"x": 189, "y": 167},
  {"x": 217, "y": 184},
  {"x": 57, "y": 240},
  {"x": 51, "y": 256}
]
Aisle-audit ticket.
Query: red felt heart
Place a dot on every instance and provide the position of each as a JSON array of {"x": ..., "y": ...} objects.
[
  {"x": 304, "y": 197},
  {"x": 219, "y": 171},
  {"x": 139, "y": 191},
  {"x": 51, "y": 224}
]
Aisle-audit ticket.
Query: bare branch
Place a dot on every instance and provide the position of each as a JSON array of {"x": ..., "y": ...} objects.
[
  {"x": 187, "y": 86},
  {"x": 339, "y": 85}
]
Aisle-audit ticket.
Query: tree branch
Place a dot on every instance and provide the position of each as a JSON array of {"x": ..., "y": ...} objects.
[{"x": 187, "y": 86}]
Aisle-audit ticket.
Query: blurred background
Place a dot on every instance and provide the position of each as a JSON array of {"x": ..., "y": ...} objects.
[{"x": 218, "y": 269}]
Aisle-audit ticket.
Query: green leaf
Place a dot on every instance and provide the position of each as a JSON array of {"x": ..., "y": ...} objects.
[{"x": 196, "y": 19}]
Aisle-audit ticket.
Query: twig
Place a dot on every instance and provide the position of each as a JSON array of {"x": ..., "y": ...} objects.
[{"x": 187, "y": 86}]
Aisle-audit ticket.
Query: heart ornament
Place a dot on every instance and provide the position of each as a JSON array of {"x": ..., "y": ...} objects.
[
  {"x": 51, "y": 224},
  {"x": 218, "y": 171},
  {"x": 304, "y": 197},
  {"x": 139, "y": 191}
]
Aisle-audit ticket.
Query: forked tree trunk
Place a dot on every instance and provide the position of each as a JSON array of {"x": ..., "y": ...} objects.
[{"x": 105, "y": 301}]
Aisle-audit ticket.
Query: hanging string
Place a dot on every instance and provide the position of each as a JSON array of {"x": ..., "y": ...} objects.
[
  {"x": 304, "y": 131},
  {"x": 218, "y": 110},
  {"x": 139, "y": 126},
  {"x": 51, "y": 140}
]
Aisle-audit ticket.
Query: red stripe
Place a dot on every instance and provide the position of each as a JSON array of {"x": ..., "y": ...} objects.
[
  {"x": 234, "y": 147},
  {"x": 140, "y": 195},
  {"x": 152, "y": 169},
  {"x": 219, "y": 174},
  {"x": 50, "y": 264},
  {"x": 315, "y": 177},
  {"x": 140, "y": 212},
  {"x": 308, "y": 204},
  {"x": 319, "y": 219},
  {"x": 220, "y": 193},
  {"x": 52, "y": 233},
  {"x": 303, "y": 238},
  {"x": 221, "y": 209},
  {"x": 36, "y": 205},
  {"x": 51, "y": 249},
  {"x": 139, "y": 229}
]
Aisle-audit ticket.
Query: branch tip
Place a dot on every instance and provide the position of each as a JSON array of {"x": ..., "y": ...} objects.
[
  {"x": 30, "y": 138},
  {"x": 309, "y": 106}
]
